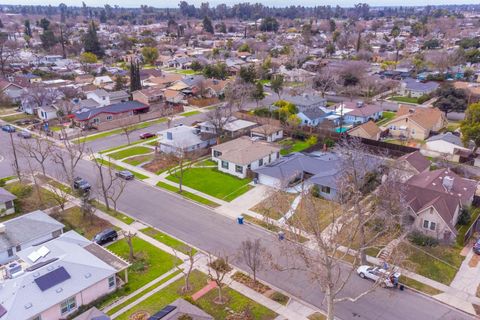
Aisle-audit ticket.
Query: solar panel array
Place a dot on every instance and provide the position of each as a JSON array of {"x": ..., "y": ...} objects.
[
  {"x": 162, "y": 313},
  {"x": 52, "y": 278}
]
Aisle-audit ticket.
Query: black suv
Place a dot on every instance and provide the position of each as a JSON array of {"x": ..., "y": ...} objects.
[
  {"x": 81, "y": 184},
  {"x": 105, "y": 236},
  {"x": 125, "y": 174}
]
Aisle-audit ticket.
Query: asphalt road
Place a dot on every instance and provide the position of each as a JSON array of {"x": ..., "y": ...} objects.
[{"x": 212, "y": 232}]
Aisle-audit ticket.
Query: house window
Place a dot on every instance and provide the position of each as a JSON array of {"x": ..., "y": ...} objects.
[
  {"x": 68, "y": 305},
  {"x": 425, "y": 224},
  {"x": 111, "y": 282},
  {"x": 238, "y": 169},
  {"x": 325, "y": 189},
  {"x": 10, "y": 252},
  {"x": 225, "y": 164},
  {"x": 18, "y": 248},
  {"x": 432, "y": 225},
  {"x": 109, "y": 118},
  {"x": 96, "y": 120},
  {"x": 216, "y": 153},
  {"x": 260, "y": 162},
  {"x": 56, "y": 233},
  {"x": 9, "y": 205}
]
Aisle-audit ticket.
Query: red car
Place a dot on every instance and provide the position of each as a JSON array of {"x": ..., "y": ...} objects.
[{"x": 147, "y": 135}]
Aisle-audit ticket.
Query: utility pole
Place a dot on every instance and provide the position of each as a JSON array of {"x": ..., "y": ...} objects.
[{"x": 17, "y": 168}]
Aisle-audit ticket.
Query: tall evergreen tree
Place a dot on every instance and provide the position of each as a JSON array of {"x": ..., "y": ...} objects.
[
  {"x": 207, "y": 25},
  {"x": 28, "y": 28},
  {"x": 91, "y": 42},
  {"x": 135, "y": 82}
]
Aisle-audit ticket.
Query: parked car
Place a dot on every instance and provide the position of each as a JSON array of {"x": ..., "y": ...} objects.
[
  {"x": 476, "y": 246},
  {"x": 24, "y": 134},
  {"x": 105, "y": 236},
  {"x": 387, "y": 278},
  {"x": 81, "y": 184},
  {"x": 8, "y": 128},
  {"x": 147, "y": 135},
  {"x": 125, "y": 174}
]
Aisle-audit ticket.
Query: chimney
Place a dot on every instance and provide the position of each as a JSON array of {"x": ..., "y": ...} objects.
[
  {"x": 448, "y": 183},
  {"x": 359, "y": 104}
]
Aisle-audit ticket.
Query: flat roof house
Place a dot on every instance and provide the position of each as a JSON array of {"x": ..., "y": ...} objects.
[
  {"x": 184, "y": 139},
  {"x": 51, "y": 280},
  {"x": 232, "y": 127},
  {"x": 237, "y": 157}
]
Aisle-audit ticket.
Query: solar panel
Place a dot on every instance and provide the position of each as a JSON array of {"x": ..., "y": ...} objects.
[
  {"x": 52, "y": 278},
  {"x": 162, "y": 313}
]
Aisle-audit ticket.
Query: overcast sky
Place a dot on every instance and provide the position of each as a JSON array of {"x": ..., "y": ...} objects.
[{"x": 170, "y": 4}]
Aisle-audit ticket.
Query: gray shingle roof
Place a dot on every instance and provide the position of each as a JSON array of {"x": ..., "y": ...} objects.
[
  {"x": 6, "y": 196},
  {"x": 113, "y": 108},
  {"x": 448, "y": 137},
  {"x": 27, "y": 228}
]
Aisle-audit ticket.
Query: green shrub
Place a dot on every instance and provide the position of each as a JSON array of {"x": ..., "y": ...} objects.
[
  {"x": 418, "y": 238},
  {"x": 280, "y": 298},
  {"x": 21, "y": 190},
  {"x": 465, "y": 217},
  {"x": 328, "y": 142}
]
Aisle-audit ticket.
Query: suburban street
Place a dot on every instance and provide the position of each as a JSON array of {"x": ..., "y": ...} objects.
[{"x": 212, "y": 232}]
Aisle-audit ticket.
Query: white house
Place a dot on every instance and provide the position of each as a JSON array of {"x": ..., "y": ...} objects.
[
  {"x": 6, "y": 202},
  {"x": 182, "y": 139},
  {"x": 267, "y": 132},
  {"x": 232, "y": 127},
  {"x": 445, "y": 143},
  {"x": 237, "y": 157},
  {"x": 46, "y": 113},
  {"x": 102, "y": 81}
]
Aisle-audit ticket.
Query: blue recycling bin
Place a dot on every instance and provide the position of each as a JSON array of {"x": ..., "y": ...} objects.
[
  {"x": 281, "y": 235},
  {"x": 240, "y": 219}
]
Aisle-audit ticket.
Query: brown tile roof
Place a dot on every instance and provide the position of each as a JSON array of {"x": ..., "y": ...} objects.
[
  {"x": 166, "y": 78},
  {"x": 416, "y": 160},
  {"x": 424, "y": 117},
  {"x": 244, "y": 150}
]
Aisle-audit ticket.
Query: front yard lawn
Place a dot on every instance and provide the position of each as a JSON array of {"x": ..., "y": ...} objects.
[
  {"x": 213, "y": 182},
  {"x": 150, "y": 262},
  {"x": 166, "y": 239},
  {"x": 386, "y": 117},
  {"x": 130, "y": 152},
  {"x": 15, "y": 117},
  {"x": 276, "y": 205},
  {"x": 326, "y": 213},
  {"x": 462, "y": 229},
  {"x": 190, "y": 113},
  {"x": 150, "y": 141},
  {"x": 73, "y": 219},
  {"x": 236, "y": 301},
  {"x": 290, "y": 146},
  {"x": 135, "y": 161},
  {"x": 28, "y": 199},
  {"x": 439, "y": 263},
  {"x": 187, "y": 194},
  {"x": 404, "y": 99}
]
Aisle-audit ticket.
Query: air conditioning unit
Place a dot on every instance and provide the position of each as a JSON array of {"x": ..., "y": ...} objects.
[{"x": 14, "y": 270}]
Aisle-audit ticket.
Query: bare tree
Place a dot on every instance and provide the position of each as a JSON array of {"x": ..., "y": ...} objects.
[
  {"x": 107, "y": 179},
  {"x": 192, "y": 259},
  {"x": 116, "y": 192},
  {"x": 218, "y": 268},
  {"x": 60, "y": 195},
  {"x": 180, "y": 162},
  {"x": 39, "y": 150},
  {"x": 254, "y": 255},
  {"x": 128, "y": 238},
  {"x": 15, "y": 164},
  {"x": 238, "y": 93},
  {"x": 219, "y": 117},
  {"x": 68, "y": 157},
  {"x": 325, "y": 80},
  {"x": 8, "y": 50},
  {"x": 127, "y": 129}
]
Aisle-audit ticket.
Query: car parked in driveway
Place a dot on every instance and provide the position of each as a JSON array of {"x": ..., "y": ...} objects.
[
  {"x": 8, "y": 128},
  {"x": 105, "y": 236},
  {"x": 81, "y": 184},
  {"x": 147, "y": 135},
  {"x": 24, "y": 134},
  {"x": 387, "y": 278},
  {"x": 125, "y": 174}
]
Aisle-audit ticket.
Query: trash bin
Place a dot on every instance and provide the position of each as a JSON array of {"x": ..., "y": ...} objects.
[
  {"x": 402, "y": 287},
  {"x": 240, "y": 219},
  {"x": 255, "y": 180},
  {"x": 281, "y": 235}
]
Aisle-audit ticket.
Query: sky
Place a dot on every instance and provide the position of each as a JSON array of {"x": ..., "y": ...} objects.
[{"x": 278, "y": 3}]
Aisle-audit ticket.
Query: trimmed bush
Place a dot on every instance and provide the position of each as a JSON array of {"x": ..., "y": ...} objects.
[{"x": 418, "y": 238}]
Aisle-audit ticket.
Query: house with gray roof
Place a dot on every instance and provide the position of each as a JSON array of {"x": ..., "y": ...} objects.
[
  {"x": 52, "y": 279},
  {"x": 86, "y": 116},
  {"x": 306, "y": 101},
  {"x": 445, "y": 144},
  {"x": 415, "y": 88},
  {"x": 6, "y": 202},
  {"x": 26, "y": 231},
  {"x": 321, "y": 169},
  {"x": 184, "y": 139}
]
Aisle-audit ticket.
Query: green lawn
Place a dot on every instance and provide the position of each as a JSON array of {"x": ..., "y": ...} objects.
[
  {"x": 425, "y": 288},
  {"x": 187, "y": 72},
  {"x": 190, "y": 113},
  {"x": 120, "y": 168},
  {"x": 213, "y": 182},
  {"x": 440, "y": 264},
  {"x": 135, "y": 161},
  {"x": 188, "y": 195},
  {"x": 120, "y": 216},
  {"x": 130, "y": 152},
  {"x": 150, "y": 262},
  {"x": 16, "y": 117},
  {"x": 206, "y": 163},
  {"x": 236, "y": 302},
  {"x": 166, "y": 239},
  {"x": 147, "y": 141},
  {"x": 29, "y": 198},
  {"x": 386, "y": 117},
  {"x": 4, "y": 180},
  {"x": 290, "y": 146},
  {"x": 137, "y": 296},
  {"x": 404, "y": 99},
  {"x": 453, "y": 125}
]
